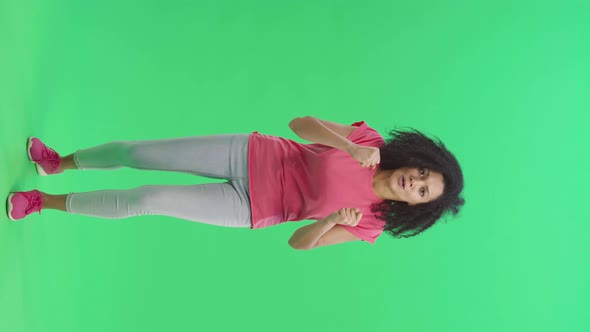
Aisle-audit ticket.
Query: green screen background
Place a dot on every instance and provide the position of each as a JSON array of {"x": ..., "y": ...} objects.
[{"x": 505, "y": 84}]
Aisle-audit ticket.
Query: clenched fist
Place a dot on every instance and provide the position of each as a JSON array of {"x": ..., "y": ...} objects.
[
  {"x": 346, "y": 216},
  {"x": 367, "y": 156}
]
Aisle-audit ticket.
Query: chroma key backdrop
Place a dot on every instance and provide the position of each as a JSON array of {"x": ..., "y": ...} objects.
[{"x": 505, "y": 84}]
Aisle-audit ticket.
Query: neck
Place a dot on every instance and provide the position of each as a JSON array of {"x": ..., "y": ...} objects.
[{"x": 380, "y": 187}]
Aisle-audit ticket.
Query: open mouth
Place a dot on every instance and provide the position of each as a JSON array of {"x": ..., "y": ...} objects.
[{"x": 402, "y": 182}]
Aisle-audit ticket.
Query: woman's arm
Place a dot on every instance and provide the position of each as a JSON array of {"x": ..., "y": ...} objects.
[
  {"x": 326, "y": 231},
  {"x": 323, "y": 132},
  {"x": 334, "y": 135}
]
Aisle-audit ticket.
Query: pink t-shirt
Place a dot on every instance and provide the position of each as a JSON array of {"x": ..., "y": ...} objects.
[{"x": 290, "y": 181}]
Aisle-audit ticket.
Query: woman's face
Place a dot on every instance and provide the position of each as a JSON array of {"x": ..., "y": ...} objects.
[{"x": 416, "y": 185}]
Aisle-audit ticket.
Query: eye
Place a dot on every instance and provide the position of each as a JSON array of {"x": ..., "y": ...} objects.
[
  {"x": 422, "y": 172},
  {"x": 422, "y": 191}
]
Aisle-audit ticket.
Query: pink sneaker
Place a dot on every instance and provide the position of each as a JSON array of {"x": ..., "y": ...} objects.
[
  {"x": 21, "y": 204},
  {"x": 46, "y": 159}
]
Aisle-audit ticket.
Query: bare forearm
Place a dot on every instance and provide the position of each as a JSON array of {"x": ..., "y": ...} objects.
[
  {"x": 307, "y": 237},
  {"x": 313, "y": 130}
]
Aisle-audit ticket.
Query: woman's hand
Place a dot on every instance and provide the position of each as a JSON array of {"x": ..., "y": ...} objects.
[
  {"x": 346, "y": 216},
  {"x": 367, "y": 156}
]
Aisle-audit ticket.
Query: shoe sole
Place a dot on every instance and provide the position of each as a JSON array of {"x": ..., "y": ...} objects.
[
  {"x": 40, "y": 169},
  {"x": 9, "y": 207}
]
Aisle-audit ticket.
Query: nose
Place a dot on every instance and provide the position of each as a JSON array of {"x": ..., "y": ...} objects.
[{"x": 414, "y": 181}]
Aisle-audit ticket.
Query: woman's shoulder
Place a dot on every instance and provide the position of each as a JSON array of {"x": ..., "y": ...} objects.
[{"x": 366, "y": 135}]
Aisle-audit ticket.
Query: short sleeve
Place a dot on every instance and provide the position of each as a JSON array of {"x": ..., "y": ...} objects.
[
  {"x": 368, "y": 229},
  {"x": 365, "y": 135}
]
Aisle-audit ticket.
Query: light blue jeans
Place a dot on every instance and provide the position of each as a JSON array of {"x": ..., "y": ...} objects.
[{"x": 219, "y": 157}]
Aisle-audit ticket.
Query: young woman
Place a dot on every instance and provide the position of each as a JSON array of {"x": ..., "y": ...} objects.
[{"x": 354, "y": 183}]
